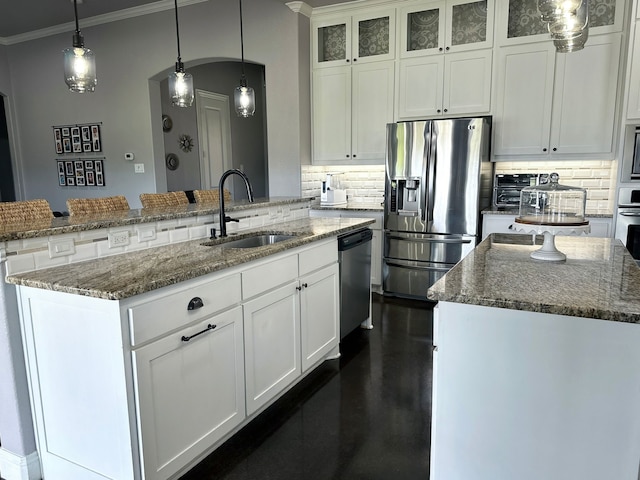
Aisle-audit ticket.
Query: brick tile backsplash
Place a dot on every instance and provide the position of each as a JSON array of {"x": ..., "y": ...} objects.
[{"x": 366, "y": 183}]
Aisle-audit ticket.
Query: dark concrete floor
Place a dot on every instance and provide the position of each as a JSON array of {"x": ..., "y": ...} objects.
[{"x": 366, "y": 416}]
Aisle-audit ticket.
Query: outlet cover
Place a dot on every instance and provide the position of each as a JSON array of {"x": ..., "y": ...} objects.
[{"x": 119, "y": 239}]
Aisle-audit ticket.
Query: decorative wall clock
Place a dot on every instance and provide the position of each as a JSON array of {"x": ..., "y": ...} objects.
[{"x": 186, "y": 142}]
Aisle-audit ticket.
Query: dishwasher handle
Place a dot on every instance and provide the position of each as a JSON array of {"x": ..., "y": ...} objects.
[{"x": 352, "y": 240}]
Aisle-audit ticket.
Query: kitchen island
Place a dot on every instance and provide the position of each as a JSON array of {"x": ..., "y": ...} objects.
[
  {"x": 536, "y": 364},
  {"x": 142, "y": 361}
]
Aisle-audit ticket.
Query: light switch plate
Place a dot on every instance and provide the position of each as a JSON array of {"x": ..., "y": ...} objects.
[
  {"x": 138, "y": 167},
  {"x": 61, "y": 248}
]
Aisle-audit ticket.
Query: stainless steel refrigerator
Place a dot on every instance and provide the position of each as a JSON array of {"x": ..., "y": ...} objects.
[{"x": 438, "y": 179}]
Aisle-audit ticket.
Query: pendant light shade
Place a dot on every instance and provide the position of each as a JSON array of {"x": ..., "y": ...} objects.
[
  {"x": 79, "y": 63},
  {"x": 244, "y": 97},
  {"x": 180, "y": 82},
  {"x": 552, "y": 9}
]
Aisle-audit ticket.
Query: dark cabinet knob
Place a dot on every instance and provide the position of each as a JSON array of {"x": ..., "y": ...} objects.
[
  {"x": 348, "y": 155},
  {"x": 195, "y": 303},
  {"x": 355, "y": 59},
  {"x": 438, "y": 111},
  {"x": 445, "y": 110},
  {"x": 447, "y": 49},
  {"x": 354, "y": 155},
  {"x": 544, "y": 149},
  {"x": 440, "y": 49},
  {"x": 555, "y": 149}
]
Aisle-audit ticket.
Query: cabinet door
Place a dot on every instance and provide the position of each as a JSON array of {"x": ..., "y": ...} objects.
[
  {"x": 331, "y": 42},
  {"x": 467, "y": 82},
  {"x": 524, "y": 93},
  {"x": 372, "y": 88},
  {"x": 376, "y": 258},
  {"x": 420, "y": 86},
  {"x": 497, "y": 223},
  {"x": 518, "y": 21},
  {"x": 189, "y": 393},
  {"x": 272, "y": 344},
  {"x": 584, "y": 103},
  {"x": 633, "y": 108},
  {"x": 319, "y": 314},
  {"x": 374, "y": 35},
  {"x": 469, "y": 25},
  {"x": 332, "y": 114},
  {"x": 422, "y": 29}
]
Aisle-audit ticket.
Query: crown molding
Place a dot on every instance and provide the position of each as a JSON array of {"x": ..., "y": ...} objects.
[
  {"x": 300, "y": 7},
  {"x": 98, "y": 20}
]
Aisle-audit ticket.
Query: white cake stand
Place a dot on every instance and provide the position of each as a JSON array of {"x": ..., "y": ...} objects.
[{"x": 548, "y": 251}]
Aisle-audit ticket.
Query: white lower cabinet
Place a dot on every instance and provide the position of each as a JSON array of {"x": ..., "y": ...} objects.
[
  {"x": 272, "y": 332},
  {"x": 190, "y": 391},
  {"x": 499, "y": 223},
  {"x": 159, "y": 380}
]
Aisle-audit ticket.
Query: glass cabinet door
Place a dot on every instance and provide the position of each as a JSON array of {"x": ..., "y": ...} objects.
[
  {"x": 332, "y": 43},
  {"x": 523, "y": 19},
  {"x": 446, "y": 26},
  {"x": 374, "y": 36}
]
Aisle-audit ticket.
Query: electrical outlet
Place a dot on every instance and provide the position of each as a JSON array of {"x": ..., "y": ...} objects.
[{"x": 118, "y": 239}]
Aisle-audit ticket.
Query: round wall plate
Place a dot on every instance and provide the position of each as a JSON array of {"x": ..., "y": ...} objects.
[
  {"x": 172, "y": 161},
  {"x": 167, "y": 123}
]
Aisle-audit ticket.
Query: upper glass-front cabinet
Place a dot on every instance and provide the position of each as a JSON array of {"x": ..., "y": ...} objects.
[
  {"x": 446, "y": 26},
  {"x": 520, "y": 21},
  {"x": 354, "y": 39}
]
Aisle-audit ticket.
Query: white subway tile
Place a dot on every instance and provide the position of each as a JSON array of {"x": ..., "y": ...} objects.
[{"x": 20, "y": 263}]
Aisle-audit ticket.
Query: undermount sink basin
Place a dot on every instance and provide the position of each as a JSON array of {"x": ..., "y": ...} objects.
[{"x": 260, "y": 240}]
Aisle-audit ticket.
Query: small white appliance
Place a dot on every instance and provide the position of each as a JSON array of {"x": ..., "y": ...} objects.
[{"x": 331, "y": 193}]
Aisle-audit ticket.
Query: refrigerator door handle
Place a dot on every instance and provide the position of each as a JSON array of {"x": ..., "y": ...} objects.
[
  {"x": 430, "y": 240},
  {"x": 416, "y": 267},
  {"x": 431, "y": 173}
]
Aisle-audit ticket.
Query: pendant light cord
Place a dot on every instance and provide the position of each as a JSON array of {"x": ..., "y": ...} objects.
[
  {"x": 241, "y": 39},
  {"x": 177, "y": 32},
  {"x": 75, "y": 9}
]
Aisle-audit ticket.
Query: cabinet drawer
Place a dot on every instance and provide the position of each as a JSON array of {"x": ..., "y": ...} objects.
[
  {"x": 269, "y": 275},
  {"x": 168, "y": 311},
  {"x": 318, "y": 256}
]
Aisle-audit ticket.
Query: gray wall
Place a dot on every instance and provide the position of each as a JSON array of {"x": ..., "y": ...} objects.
[
  {"x": 129, "y": 53},
  {"x": 248, "y": 135},
  {"x": 133, "y": 56}
]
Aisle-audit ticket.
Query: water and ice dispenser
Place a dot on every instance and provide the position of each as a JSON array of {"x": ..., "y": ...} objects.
[{"x": 405, "y": 196}]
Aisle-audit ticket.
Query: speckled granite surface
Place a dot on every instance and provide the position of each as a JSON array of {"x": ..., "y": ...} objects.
[
  {"x": 599, "y": 280},
  {"x": 59, "y": 225},
  {"x": 352, "y": 207},
  {"x": 516, "y": 211},
  {"x": 129, "y": 274}
]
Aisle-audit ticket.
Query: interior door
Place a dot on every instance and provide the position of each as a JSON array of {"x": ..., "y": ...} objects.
[{"x": 214, "y": 134}]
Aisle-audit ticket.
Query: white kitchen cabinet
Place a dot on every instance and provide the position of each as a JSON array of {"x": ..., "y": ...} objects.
[
  {"x": 365, "y": 36},
  {"x": 319, "y": 314},
  {"x": 500, "y": 223},
  {"x": 159, "y": 379},
  {"x": 633, "y": 106},
  {"x": 445, "y": 26},
  {"x": 272, "y": 344},
  {"x": 518, "y": 21},
  {"x": 557, "y": 106},
  {"x": 290, "y": 328},
  {"x": 190, "y": 391},
  {"x": 351, "y": 107},
  {"x": 444, "y": 85}
]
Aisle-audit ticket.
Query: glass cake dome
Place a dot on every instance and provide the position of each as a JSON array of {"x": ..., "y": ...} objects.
[{"x": 553, "y": 204}]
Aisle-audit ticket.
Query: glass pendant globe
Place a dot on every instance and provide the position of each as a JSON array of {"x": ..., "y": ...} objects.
[
  {"x": 245, "y": 101},
  {"x": 181, "y": 89},
  {"x": 551, "y": 9},
  {"x": 570, "y": 25},
  {"x": 80, "y": 69}
]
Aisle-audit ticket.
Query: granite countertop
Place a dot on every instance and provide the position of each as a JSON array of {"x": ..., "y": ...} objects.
[
  {"x": 516, "y": 211},
  {"x": 59, "y": 225},
  {"x": 128, "y": 274},
  {"x": 599, "y": 279},
  {"x": 351, "y": 206}
]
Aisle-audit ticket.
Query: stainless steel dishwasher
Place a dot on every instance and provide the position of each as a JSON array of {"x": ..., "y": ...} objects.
[{"x": 354, "y": 256}]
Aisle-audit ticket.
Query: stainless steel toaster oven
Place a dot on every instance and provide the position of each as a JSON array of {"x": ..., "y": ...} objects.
[{"x": 507, "y": 187}]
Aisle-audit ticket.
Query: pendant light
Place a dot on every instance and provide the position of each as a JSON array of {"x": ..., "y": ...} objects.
[
  {"x": 244, "y": 97},
  {"x": 180, "y": 82},
  {"x": 79, "y": 62}
]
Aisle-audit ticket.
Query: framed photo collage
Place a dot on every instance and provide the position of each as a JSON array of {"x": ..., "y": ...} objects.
[{"x": 74, "y": 140}]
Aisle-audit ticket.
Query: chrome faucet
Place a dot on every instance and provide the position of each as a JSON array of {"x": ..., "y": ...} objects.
[{"x": 224, "y": 218}]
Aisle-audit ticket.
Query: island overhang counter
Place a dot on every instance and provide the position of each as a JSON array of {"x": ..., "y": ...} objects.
[{"x": 536, "y": 364}]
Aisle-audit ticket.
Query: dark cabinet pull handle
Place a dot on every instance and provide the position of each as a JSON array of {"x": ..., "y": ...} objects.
[
  {"x": 305, "y": 285},
  {"x": 347, "y": 60},
  {"x": 209, "y": 327},
  {"x": 347, "y": 155},
  {"x": 446, "y": 110},
  {"x": 354, "y": 155},
  {"x": 195, "y": 303},
  {"x": 298, "y": 288}
]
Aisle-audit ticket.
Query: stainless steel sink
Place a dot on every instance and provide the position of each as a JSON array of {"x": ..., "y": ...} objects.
[{"x": 260, "y": 240}]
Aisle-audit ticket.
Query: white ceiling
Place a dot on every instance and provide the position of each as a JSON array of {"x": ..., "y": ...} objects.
[{"x": 18, "y": 17}]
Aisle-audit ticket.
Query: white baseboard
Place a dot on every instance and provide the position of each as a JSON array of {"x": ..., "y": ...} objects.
[{"x": 16, "y": 467}]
